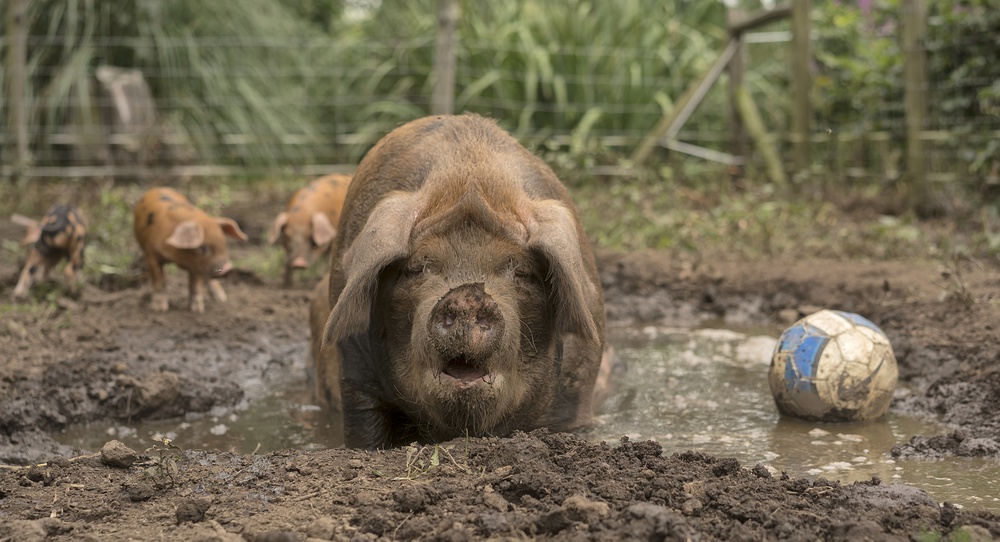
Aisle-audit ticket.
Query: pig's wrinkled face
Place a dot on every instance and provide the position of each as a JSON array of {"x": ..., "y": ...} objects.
[{"x": 467, "y": 313}]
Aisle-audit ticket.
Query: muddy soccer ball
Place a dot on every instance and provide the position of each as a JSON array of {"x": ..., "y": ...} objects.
[{"x": 833, "y": 366}]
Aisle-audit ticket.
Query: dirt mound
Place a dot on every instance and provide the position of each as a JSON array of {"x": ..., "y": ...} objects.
[{"x": 529, "y": 485}]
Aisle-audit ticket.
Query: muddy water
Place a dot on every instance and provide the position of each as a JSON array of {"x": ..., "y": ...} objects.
[
  {"x": 703, "y": 390},
  {"x": 707, "y": 390}
]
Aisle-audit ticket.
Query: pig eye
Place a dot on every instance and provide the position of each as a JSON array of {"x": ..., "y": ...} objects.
[
  {"x": 204, "y": 250},
  {"x": 522, "y": 271},
  {"x": 416, "y": 267}
]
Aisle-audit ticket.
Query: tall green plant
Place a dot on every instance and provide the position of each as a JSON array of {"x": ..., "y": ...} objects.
[{"x": 215, "y": 68}]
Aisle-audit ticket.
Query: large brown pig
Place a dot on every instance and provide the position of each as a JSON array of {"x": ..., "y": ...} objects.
[
  {"x": 172, "y": 230},
  {"x": 308, "y": 224},
  {"x": 464, "y": 295},
  {"x": 60, "y": 234}
]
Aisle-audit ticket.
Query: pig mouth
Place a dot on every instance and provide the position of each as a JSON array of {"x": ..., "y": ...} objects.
[{"x": 465, "y": 372}]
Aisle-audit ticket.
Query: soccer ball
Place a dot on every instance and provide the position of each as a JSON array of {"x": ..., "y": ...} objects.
[{"x": 833, "y": 366}]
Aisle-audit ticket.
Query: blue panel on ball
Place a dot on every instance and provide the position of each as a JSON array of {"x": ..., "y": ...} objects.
[
  {"x": 791, "y": 338},
  {"x": 859, "y": 320},
  {"x": 800, "y": 346},
  {"x": 807, "y": 355}
]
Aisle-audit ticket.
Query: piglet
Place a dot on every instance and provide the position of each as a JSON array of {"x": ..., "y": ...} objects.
[
  {"x": 60, "y": 234},
  {"x": 308, "y": 224},
  {"x": 172, "y": 230}
]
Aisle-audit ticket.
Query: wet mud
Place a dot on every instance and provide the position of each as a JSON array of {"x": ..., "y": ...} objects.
[{"x": 104, "y": 357}]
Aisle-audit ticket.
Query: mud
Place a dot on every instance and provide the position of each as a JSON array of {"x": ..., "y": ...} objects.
[{"x": 104, "y": 357}]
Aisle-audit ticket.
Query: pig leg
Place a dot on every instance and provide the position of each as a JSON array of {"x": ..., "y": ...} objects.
[
  {"x": 215, "y": 286},
  {"x": 74, "y": 265},
  {"x": 287, "y": 282},
  {"x": 156, "y": 278},
  {"x": 27, "y": 276},
  {"x": 196, "y": 292}
]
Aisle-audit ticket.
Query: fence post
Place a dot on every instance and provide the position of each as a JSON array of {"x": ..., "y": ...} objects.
[
  {"x": 737, "y": 70},
  {"x": 443, "y": 93},
  {"x": 801, "y": 85},
  {"x": 915, "y": 96},
  {"x": 17, "y": 107}
]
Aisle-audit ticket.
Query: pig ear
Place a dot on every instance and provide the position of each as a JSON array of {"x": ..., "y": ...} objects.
[
  {"x": 323, "y": 230},
  {"x": 231, "y": 228},
  {"x": 384, "y": 239},
  {"x": 275, "y": 231},
  {"x": 187, "y": 234},
  {"x": 553, "y": 233}
]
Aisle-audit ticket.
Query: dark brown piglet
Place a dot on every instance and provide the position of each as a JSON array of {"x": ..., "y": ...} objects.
[
  {"x": 308, "y": 224},
  {"x": 464, "y": 295},
  {"x": 60, "y": 234},
  {"x": 172, "y": 230}
]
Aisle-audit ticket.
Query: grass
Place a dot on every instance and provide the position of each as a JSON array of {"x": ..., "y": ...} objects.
[{"x": 711, "y": 215}]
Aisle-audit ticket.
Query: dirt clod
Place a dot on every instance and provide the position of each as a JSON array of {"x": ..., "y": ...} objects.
[
  {"x": 192, "y": 510},
  {"x": 117, "y": 455}
]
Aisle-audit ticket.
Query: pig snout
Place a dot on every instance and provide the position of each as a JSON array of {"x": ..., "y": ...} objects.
[
  {"x": 300, "y": 263},
  {"x": 222, "y": 270},
  {"x": 466, "y": 325}
]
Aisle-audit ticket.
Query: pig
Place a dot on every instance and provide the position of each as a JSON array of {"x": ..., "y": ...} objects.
[
  {"x": 170, "y": 229},
  {"x": 309, "y": 223},
  {"x": 60, "y": 234},
  {"x": 464, "y": 298}
]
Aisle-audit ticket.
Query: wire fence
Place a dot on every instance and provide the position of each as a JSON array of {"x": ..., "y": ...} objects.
[{"x": 336, "y": 98}]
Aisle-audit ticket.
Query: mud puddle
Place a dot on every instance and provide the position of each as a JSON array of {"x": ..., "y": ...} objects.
[
  {"x": 704, "y": 390},
  {"x": 707, "y": 390}
]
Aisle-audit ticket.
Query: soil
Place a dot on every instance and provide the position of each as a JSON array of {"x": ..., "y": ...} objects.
[{"x": 104, "y": 357}]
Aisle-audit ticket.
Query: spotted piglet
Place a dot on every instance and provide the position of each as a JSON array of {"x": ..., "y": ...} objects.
[
  {"x": 308, "y": 224},
  {"x": 172, "y": 230},
  {"x": 60, "y": 234}
]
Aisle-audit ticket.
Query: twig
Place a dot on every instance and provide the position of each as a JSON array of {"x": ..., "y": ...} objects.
[{"x": 40, "y": 465}]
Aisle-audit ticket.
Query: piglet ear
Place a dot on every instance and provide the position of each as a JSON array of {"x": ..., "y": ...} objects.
[
  {"x": 231, "y": 228},
  {"x": 187, "y": 234},
  {"x": 275, "y": 231},
  {"x": 384, "y": 239},
  {"x": 553, "y": 233},
  {"x": 323, "y": 229}
]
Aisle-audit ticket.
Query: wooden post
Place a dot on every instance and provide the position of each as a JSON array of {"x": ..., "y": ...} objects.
[
  {"x": 737, "y": 70},
  {"x": 755, "y": 125},
  {"x": 801, "y": 85},
  {"x": 915, "y": 96},
  {"x": 671, "y": 124},
  {"x": 17, "y": 60},
  {"x": 443, "y": 93}
]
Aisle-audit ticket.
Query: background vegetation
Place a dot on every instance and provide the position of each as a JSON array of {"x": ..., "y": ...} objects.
[{"x": 267, "y": 84}]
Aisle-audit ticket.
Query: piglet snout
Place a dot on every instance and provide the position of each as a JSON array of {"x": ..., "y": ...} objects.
[
  {"x": 466, "y": 323},
  {"x": 222, "y": 270},
  {"x": 300, "y": 263}
]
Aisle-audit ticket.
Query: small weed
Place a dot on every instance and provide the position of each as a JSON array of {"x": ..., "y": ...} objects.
[
  {"x": 420, "y": 460},
  {"x": 162, "y": 467},
  {"x": 954, "y": 287}
]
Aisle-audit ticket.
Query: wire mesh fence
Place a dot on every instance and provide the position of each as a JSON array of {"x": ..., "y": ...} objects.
[{"x": 222, "y": 101}]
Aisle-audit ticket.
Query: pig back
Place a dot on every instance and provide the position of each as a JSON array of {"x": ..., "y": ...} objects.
[
  {"x": 159, "y": 212},
  {"x": 403, "y": 160}
]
